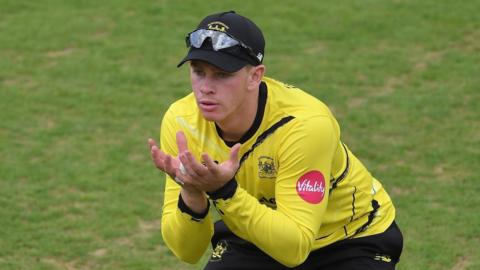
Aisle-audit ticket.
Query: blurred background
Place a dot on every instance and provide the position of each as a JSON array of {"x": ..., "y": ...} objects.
[{"x": 84, "y": 83}]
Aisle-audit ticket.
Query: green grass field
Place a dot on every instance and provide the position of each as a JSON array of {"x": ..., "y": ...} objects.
[{"x": 83, "y": 84}]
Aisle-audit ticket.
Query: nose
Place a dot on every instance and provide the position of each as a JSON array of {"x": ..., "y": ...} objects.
[{"x": 207, "y": 86}]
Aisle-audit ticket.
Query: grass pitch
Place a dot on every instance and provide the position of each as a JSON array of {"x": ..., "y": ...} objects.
[{"x": 83, "y": 84}]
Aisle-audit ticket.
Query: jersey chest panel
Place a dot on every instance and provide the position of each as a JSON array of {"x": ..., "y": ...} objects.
[{"x": 258, "y": 173}]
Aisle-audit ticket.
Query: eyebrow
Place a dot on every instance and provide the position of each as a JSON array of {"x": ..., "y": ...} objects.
[{"x": 193, "y": 64}]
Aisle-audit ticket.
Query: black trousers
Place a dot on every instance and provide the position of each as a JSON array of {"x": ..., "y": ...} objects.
[{"x": 381, "y": 251}]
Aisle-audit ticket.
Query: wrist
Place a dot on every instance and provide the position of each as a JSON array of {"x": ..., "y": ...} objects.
[
  {"x": 195, "y": 200},
  {"x": 225, "y": 192}
]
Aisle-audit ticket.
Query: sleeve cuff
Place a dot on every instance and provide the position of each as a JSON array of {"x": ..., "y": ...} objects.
[
  {"x": 225, "y": 192},
  {"x": 185, "y": 209}
]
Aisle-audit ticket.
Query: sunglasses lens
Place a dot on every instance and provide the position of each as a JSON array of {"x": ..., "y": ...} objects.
[
  {"x": 222, "y": 41},
  {"x": 219, "y": 41},
  {"x": 197, "y": 38}
]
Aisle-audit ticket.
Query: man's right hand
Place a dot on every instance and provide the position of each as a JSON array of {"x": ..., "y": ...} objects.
[
  {"x": 195, "y": 199},
  {"x": 163, "y": 161}
]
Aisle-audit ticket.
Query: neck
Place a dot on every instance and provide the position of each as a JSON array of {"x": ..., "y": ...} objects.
[
  {"x": 233, "y": 128},
  {"x": 244, "y": 122}
]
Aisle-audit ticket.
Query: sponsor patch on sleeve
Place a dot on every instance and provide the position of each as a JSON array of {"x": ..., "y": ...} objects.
[{"x": 311, "y": 187}]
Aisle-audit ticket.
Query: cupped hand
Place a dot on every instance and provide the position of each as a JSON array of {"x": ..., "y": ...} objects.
[{"x": 205, "y": 175}]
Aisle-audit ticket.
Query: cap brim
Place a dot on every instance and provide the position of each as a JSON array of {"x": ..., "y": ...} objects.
[{"x": 219, "y": 59}]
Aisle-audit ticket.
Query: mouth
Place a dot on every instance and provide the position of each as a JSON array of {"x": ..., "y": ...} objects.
[{"x": 207, "y": 105}]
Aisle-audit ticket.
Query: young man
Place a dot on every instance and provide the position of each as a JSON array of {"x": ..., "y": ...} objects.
[{"x": 270, "y": 159}]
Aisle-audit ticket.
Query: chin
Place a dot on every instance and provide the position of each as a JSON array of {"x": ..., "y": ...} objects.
[{"x": 211, "y": 117}]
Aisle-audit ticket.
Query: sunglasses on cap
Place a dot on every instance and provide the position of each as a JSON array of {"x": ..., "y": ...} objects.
[{"x": 220, "y": 40}]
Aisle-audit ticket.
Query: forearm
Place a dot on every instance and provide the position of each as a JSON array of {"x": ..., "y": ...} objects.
[
  {"x": 186, "y": 225},
  {"x": 185, "y": 232},
  {"x": 270, "y": 230}
]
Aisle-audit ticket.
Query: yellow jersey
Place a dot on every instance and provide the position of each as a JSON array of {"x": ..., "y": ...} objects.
[{"x": 299, "y": 187}]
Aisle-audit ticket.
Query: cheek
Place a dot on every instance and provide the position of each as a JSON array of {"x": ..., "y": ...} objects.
[
  {"x": 234, "y": 96},
  {"x": 195, "y": 86}
]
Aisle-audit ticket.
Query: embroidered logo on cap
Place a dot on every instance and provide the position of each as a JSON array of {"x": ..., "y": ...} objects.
[
  {"x": 218, "y": 26},
  {"x": 311, "y": 187}
]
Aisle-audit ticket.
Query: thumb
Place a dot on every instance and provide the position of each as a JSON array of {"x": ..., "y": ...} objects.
[
  {"x": 181, "y": 142},
  {"x": 234, "y": 153}
]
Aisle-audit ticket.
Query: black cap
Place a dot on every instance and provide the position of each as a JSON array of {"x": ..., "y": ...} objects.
[{"x": 234, "y": 58}]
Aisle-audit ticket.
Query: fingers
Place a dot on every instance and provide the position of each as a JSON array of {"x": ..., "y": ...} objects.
[
  {"x": 151, "y": 142},
  {"x": 154, "y": 152},
  {"x": 165, "y": 162},
  {"x": 234, "y": 153},
  {"x": 198, "y": 167},
  {"x": 182, "y": 142},
  {"x": 179, "y": 181},
  {"x": 157, "y": 157},
  {"x": 191, "y": 165},
  {"x": 161, "y": 160},
  {"x": 169, "y": 165},
  {"x": 186, "y": 170},
  {"x": 209, "y": 163}
]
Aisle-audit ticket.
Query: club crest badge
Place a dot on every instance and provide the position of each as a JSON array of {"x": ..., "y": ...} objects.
[{"x": 266, "y": 167}]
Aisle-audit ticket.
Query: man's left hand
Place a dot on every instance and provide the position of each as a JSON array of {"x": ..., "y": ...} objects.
[{"x": 206, "y": 175}]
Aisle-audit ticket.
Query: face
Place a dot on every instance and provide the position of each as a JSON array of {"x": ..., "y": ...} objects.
[{"x": 221, "y": 97}]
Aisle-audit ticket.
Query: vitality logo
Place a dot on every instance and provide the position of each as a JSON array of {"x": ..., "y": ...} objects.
[{"x": 311, "y": 187}]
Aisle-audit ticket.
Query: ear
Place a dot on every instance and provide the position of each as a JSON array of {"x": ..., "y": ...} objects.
[{"x": 255, "y": 76}]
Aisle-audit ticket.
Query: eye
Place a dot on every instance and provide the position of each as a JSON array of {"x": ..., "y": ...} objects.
[{"x": 198, "y": 72}]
